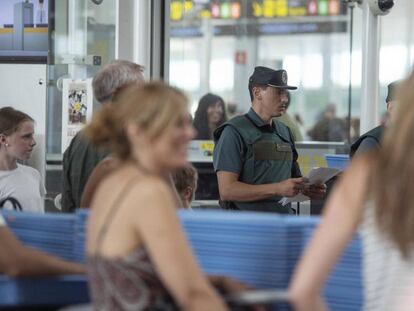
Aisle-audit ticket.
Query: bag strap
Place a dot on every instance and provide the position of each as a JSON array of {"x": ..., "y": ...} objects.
[
  {"x": 112, "y": 211},
  {"x": 16, "y": 204}
]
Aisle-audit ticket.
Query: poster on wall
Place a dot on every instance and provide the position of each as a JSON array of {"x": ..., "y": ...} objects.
[{"x": 77, "y": 106}]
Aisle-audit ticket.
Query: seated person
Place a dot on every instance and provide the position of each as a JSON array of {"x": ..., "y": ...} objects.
[
  {"x": 21, "y": 186},
  {"x": 17, "y": 260},
  {"x": 210, "y": 114},
  {"x": 138, "y": 256},
  {"x": 185, "y": 181}
]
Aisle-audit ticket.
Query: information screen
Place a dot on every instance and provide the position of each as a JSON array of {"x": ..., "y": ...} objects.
[{"x": 23, "y": 30}]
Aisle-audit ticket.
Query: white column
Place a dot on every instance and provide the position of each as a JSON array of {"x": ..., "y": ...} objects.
[{"x": 370, "y": 69}]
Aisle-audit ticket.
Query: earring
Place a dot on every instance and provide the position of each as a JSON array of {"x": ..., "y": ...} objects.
[{"x": 6, "y": 144}]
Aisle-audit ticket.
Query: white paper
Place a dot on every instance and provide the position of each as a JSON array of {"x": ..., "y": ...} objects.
[{"x": 317, "y": 175}]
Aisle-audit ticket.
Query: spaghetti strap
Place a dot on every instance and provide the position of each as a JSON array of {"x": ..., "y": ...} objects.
[{"x": 114, "y": 208}]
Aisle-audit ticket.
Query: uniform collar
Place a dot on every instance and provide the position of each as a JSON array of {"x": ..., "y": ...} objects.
[{"x": 253, "y": 116}]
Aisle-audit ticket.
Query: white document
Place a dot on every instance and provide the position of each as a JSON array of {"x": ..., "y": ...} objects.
[{"x": 317, "y": 175}]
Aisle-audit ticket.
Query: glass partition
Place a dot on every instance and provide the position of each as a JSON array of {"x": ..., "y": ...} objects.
[
  {"x": 215, "y": 46},
  {"x": 82, "y": 40}
]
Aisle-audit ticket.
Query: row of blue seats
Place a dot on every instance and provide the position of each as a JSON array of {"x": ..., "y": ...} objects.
[{"x": 258, "y": 249}]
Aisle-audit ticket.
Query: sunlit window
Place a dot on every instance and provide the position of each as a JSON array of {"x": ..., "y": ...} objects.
[
  {"x": 393, "y": 61},
  {"x": 340, "y": 68},
  {"x": 186, "y": 74},
  {"x": 292, "y": 64},
  {"x": 313, "y": 71},
  {"x": 221, "y": 75}
]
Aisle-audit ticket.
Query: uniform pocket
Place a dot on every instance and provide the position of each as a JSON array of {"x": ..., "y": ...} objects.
[{"x": 269, "y": 150}]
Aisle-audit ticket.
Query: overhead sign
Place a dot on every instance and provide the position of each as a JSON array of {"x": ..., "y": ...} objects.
[{"x": 233, "y": 10}]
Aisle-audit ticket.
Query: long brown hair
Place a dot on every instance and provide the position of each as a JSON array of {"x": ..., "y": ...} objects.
[
  {"x": 393, "y": 174},
  {"x": 154, "y": 106}
]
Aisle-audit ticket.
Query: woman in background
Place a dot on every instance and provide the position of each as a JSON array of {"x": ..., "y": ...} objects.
[
  {"x": 210, "y": 114},
  {"x": 377, "y": 194},
  {"x": 21, "y": 186},
  {"x": 138, "y": 256}
]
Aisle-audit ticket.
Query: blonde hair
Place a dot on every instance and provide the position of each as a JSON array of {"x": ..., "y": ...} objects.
[
  {"x": 392, "y": 175},
  {"x": 155, "y": 107}
]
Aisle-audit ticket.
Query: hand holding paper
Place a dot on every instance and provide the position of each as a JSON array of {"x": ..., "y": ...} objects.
[{"x": 317, "y": 175}]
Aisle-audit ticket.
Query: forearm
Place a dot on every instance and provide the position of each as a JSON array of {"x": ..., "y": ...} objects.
[
  {"x": 31, "y": 262},
  {"x": 242, "y": 192}
]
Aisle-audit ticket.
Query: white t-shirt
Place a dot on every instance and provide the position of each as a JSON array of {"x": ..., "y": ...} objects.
[
  {"x": 387, "y": 275},
  {"x": 25, "y": 185}
]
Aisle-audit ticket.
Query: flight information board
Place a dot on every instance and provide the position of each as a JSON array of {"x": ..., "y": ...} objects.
[{"x": 271, "y": 9}]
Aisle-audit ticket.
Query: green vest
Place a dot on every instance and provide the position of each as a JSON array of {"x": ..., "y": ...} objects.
[
  {"x": 269, "y": 158},
  {"x": 376, "y": 133}
]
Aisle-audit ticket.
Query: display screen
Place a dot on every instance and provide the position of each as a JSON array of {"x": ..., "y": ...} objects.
[
  {"x": 268, "y": 9},
  {"x": 23, "y": 30}
]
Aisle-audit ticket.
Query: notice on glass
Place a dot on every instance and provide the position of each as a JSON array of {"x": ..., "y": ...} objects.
[
  {"x": 317, "y": 175},
  {"x": 77, "y": 106}
]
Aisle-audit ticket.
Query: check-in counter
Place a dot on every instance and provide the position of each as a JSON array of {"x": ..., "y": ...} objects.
[{"x": 200, "y": 154}]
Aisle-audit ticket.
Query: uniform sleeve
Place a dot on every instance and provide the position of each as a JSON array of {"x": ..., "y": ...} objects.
[
  {"x": 295, "y": 165},
  {"x": 2, "y": 221},
  {"x": 368, "y": 144},
  {"x": 229, "y": 152}
]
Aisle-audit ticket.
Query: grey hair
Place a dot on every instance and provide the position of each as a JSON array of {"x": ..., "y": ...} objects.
[{"x": 114, "y": 76}]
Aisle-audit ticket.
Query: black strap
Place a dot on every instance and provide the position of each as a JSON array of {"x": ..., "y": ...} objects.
[
  {"x": 114, "y": 208},
  {"x": 16, "y": 204}
]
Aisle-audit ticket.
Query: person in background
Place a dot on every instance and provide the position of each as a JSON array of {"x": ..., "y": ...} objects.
[
  {"x": 133, "y": 229},
  {"x": 376, "y": 195},
  {"x": 232, "y": 110},
  {"x": 21, "y": 186},
  {"x": 254, "y": 155},
  {"x": 290, "y": 122},
  {"x": 329, "y": 127},
  {"x": 210, "y": 114},
  {"x": 185, "y": 181},
  {"x": 17, "y": 260},
  {"x": 80, "y": 158},
  {"x": 372, "y": 139}
]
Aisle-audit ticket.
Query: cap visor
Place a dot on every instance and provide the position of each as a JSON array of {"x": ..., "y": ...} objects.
[{"x": 287, "y": 87}]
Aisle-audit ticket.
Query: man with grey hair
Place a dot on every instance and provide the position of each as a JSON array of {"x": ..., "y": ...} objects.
[{"x": 81, "y": 157}]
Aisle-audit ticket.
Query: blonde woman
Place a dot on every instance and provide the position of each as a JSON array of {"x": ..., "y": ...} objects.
[
  {"x": 376, "y": 193},
  {"x": 139, "y": 258}
]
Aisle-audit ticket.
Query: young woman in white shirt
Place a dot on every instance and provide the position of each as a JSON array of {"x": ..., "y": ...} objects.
[{"x": 21, "y": 186}]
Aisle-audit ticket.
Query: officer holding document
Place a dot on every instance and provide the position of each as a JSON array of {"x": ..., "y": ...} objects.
[{"x": 255, "y": 157}]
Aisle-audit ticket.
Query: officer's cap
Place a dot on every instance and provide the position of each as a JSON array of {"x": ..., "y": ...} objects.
[
  {"x": 392, "y": 90},
  {"x": 274, "y": 78}
]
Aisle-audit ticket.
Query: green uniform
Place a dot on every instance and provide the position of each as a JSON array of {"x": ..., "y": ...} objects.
[
  {"x": 368, "y": 142},
  {"x": 259, "y": 154}
]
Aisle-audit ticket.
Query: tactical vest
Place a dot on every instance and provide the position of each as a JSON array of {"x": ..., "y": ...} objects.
[
  {"x": 269, "y": 158},
  {"x": 375, "y": 133}
]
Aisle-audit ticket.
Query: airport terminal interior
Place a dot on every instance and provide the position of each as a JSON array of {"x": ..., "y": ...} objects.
[{"x": 335, "y": 67}]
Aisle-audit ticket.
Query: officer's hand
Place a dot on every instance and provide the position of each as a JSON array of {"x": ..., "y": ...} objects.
[
  {"x": 316, "y": 191},
  {"x": 291, "y": 187}
]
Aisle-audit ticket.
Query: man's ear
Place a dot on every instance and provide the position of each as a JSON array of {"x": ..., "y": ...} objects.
[{"x": 257, "y": 92}]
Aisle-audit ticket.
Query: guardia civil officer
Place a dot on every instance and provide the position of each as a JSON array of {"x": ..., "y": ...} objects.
[
  {"x": 254, "y": 156},
  {"x": 372, "y": 139}
]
